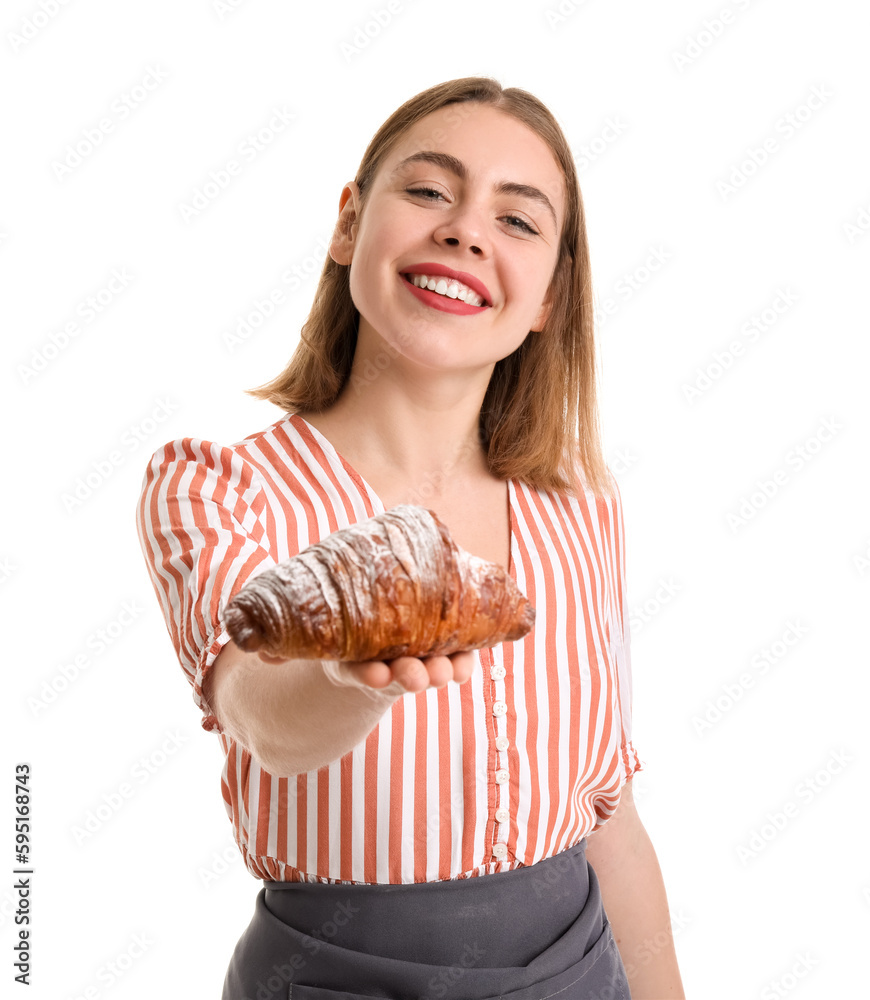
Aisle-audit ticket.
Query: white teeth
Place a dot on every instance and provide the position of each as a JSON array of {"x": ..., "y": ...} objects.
[{"x": 444, "y": 286}]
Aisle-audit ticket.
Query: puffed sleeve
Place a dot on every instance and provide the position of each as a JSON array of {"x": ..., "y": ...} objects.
[
  {"x": 201, "y": 521},
  {"x": 622, "y": 639}
]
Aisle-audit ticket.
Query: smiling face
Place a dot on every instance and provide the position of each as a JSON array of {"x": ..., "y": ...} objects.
[{"x": 472, "y": 199}]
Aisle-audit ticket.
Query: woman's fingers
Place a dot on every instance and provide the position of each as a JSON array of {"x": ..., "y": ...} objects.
[
  {"x": 412, "y": 673},
  {"x": 417, "y": 675},
  {"x": 368, "y": 673},
  {"x": 432, "y": 671},
  {"x": 375, "y": 673},
  {"x": 463, "y": 666}
]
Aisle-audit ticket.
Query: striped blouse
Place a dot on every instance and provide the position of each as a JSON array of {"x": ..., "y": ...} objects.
[{"x": 517, "y": 764}]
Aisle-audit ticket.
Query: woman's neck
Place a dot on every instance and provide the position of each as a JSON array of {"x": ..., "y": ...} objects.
[{"x": 410, "y": 431}]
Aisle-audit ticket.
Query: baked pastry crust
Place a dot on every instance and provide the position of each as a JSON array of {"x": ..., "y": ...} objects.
[{"x": 393, "y": 585}]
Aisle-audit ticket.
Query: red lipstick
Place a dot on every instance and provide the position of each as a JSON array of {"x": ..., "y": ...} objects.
[{"x": 448, "y": 272}]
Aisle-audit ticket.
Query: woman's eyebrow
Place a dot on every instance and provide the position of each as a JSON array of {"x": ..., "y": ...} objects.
[{"x": 452, "y": 163}]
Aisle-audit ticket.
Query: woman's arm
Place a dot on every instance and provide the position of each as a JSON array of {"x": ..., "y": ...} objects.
[
  {"x": 295, "y": 716},
  {"x": 633, "y": 893},
  {"x": 202, "y": 520}
]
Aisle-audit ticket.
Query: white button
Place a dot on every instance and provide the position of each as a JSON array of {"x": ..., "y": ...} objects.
[
  {"x": 500, "y": 850},
  {"x": 502, "y": 742},
  {"x": 499, "y": 708},
  {"x": 501, "y": 776},
  {"x": 502, "y": 815},
  {"x": 497, "y": 672}
]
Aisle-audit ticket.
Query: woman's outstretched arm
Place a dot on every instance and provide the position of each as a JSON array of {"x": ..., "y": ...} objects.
[
  {"x": 633, "y": 893},
  {"x": 295, "y": 716}
]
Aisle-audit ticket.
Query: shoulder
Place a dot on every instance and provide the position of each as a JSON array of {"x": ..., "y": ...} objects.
[
  {"x": 579, "y": 502},
  {"x": 199, "y": 469},
  {"x": 211, "y": 455}
]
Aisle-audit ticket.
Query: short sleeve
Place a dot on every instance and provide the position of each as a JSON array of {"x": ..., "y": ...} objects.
[
  {"x": 201, "y": 521},
  {"x": 622, "y": 638}
]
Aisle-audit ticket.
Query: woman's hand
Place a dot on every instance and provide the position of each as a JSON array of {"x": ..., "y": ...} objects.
[
  {"x": 404, "y": 674},
  {"x": 394, "y": 677}
]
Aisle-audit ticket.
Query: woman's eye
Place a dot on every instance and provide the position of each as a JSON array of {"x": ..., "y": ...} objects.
[
  {"x": 424, "y": 191},
  {"x": 519, "y": 223},
  {"x": 515, "y": 221}
]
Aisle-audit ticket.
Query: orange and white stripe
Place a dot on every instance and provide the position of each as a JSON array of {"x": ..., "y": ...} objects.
[{"x": 516, "y": 765}]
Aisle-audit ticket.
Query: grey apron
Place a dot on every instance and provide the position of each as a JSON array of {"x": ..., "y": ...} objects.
[{"x": 533, "y": 933}]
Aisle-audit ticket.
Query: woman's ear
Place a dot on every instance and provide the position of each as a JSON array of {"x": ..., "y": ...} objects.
[{"x": 343, "y": 240}]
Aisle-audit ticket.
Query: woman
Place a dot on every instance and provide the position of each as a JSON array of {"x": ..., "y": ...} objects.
[{"x": 417, "y": 837}]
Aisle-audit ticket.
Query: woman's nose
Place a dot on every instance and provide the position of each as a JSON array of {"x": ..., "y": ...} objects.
[{"x": 465, "y": 227}]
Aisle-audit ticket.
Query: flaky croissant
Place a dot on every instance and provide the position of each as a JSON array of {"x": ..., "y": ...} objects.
[{"x": 394, "y": 585}]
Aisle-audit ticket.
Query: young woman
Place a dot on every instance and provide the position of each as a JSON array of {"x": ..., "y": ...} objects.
[{"x": 418, "y": 837}]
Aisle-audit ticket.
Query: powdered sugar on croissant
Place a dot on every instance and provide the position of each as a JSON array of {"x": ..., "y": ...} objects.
[{"x": 394, "y": 585}]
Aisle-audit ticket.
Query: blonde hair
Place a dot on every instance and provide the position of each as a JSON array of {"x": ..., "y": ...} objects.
[{"x": 539, "y": 419}]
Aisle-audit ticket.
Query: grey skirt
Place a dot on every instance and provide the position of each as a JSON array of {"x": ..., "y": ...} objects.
[{"x": 533, "y": 933}]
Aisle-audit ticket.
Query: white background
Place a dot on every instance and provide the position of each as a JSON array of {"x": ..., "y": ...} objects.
[{"x": 709, "y": 593}]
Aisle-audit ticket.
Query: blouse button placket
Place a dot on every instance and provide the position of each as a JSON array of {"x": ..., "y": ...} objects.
[{"x": 502, "y": 775}]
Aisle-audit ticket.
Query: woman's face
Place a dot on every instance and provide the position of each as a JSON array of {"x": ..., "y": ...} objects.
[{"x": 472, "y": 190}]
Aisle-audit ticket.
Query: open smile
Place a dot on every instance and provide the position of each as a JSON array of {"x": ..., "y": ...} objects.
[
  {"x": 444, "y": 288},
  {"x": 440, "y": 297},
  {"x": 450, "y": 287}
]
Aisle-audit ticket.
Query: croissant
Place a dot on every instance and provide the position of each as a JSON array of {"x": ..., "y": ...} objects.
[{"x": 393, "y": 585}]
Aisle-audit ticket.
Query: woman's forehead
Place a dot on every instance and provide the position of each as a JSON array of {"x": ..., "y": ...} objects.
[{"x": 470, "y": 126}]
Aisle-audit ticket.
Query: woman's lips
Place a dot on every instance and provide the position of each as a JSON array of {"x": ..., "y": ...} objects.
[
  {"x": 442, "y": 302},
  {"x": 434, "y": 270}
]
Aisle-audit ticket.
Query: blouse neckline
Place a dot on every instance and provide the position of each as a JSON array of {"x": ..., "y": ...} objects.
[{"x": 378, "y": 504}]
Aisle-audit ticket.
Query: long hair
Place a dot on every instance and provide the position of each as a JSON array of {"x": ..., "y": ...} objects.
[{"x": 539, "y": 419}]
